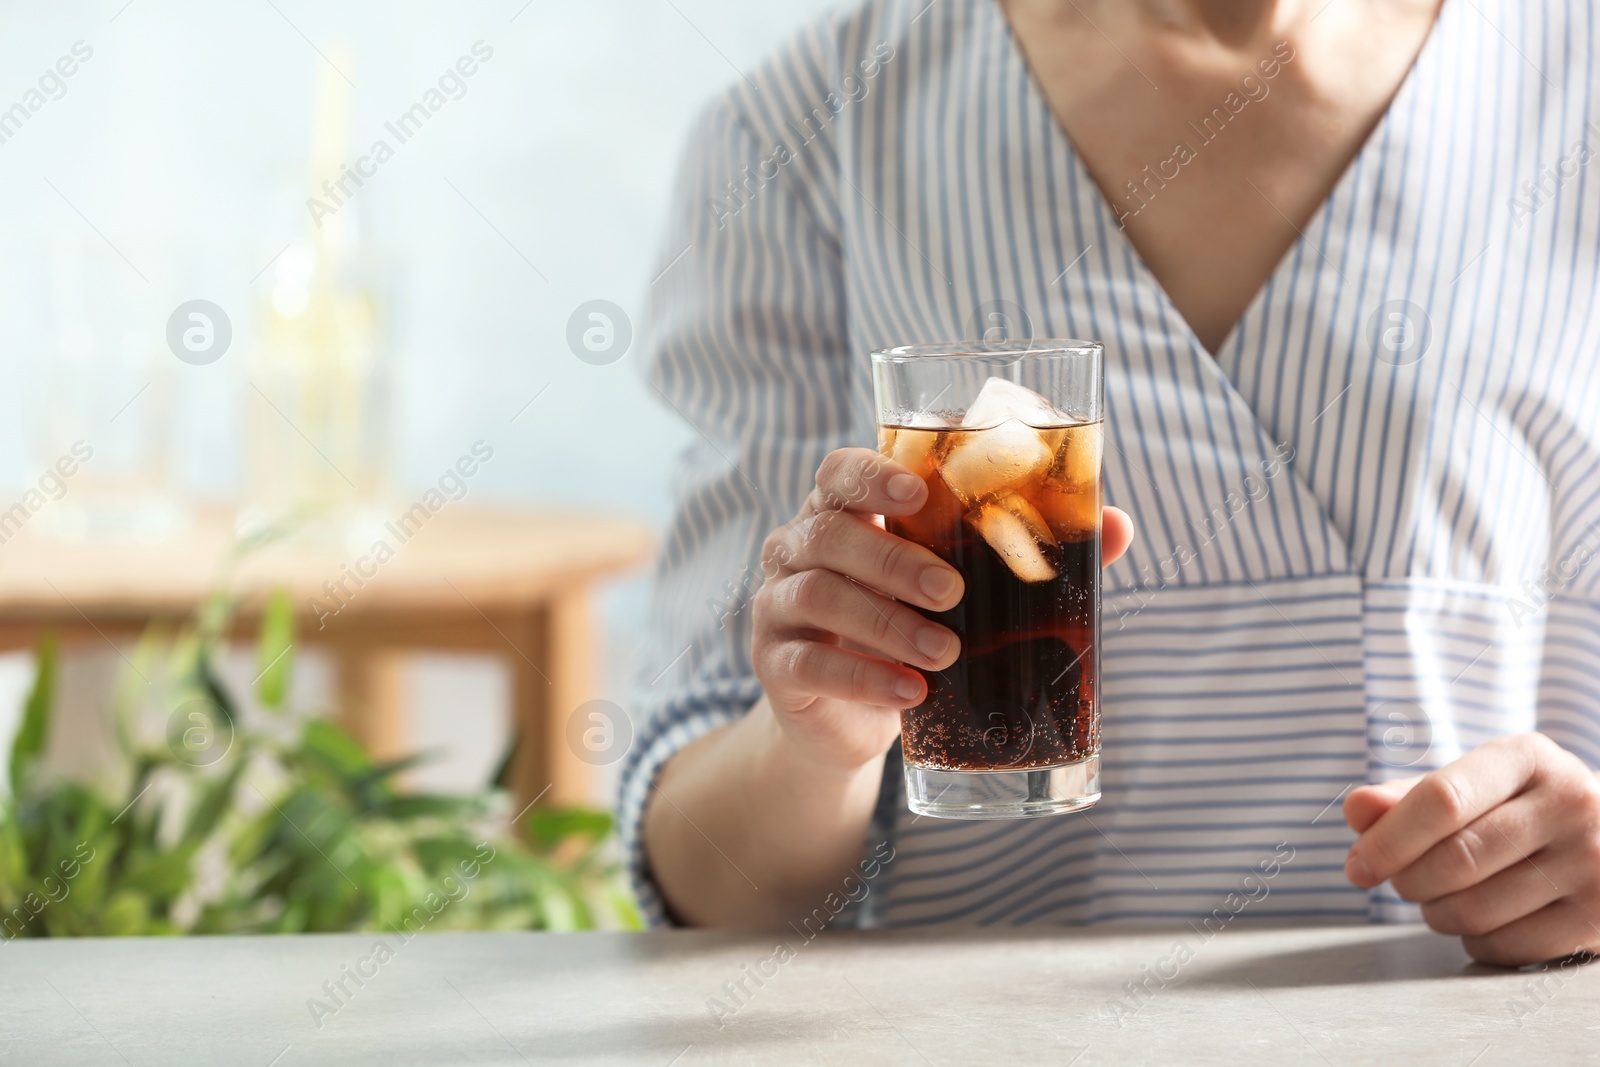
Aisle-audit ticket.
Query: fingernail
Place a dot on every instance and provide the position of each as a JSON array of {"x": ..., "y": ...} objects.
[
  {"x": 938, "y": 583},
  {"x": 933, "y": 643},
  {"x": 907, "y": 688},
  {"x": 904, "y": 486},
  {"x": 1356, "y": 869}
]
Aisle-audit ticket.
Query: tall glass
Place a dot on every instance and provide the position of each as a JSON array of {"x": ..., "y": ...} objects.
[{"x": 1008, "y": 439}]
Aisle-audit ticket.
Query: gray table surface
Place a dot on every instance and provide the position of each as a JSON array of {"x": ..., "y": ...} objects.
[{"x": 1335, "y": 995}]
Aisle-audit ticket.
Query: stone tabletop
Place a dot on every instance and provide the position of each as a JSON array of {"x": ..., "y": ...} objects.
[{"x": 1339, "y": 995}]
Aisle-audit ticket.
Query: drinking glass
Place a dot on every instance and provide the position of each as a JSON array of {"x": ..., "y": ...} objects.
[{"x": 1008, "y": 438}]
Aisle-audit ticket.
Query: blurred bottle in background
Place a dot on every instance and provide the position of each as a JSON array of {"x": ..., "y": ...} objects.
[
  {"x": 317, "y": 400},
  {"x": 107, "y": 392}
]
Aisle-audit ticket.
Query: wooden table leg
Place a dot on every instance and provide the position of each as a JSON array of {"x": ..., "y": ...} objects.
[
  {"x": 552, "y": 673},
  {"x": 570, "y": 640},
  {"x": 372, "y": 697}
]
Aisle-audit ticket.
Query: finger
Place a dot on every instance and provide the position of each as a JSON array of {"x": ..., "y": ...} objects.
[
  {"x": 850, "y": 545},
  {"x": 1439, "y": 805},
  {"x": 1509, "y": 833},
  {"x": 1556, "y": 930},
  {"x": 859, "y": 479},
  {"x": 1366, "y": 804},
  {"x": 1116, "y": 534},
  {"x": 1518, "y": 891},
  {"x": 829, "y": 602},
  {"x": 801, "y": 671}
]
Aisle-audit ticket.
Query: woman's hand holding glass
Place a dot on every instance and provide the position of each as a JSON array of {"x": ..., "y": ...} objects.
[{"x": 835, "y": 633}]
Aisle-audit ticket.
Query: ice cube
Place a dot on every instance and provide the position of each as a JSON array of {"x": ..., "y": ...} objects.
[
  {"x": 1073, "y": 514},
  {"x": 1070, "y": 495},
  {"x": 915, "y": 450},
  {"x": 982, "y": 464},
  {"x": 1000, "y": 400},
  {"x": 1018, "y": 533},
  {"x": 1023, "y": 509},
  {"x": 1076, "y": 465}
]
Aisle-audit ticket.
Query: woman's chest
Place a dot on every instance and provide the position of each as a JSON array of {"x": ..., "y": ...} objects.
[{"x": 1424, "y": 349}]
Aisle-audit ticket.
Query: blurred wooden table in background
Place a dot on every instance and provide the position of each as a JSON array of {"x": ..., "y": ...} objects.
[{"x": 512, "y": 584}]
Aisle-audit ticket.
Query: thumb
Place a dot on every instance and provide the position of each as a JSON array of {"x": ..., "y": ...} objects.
[
  {"x": 1369, "y": 803},
  {"x": 1116, "y": 535}
]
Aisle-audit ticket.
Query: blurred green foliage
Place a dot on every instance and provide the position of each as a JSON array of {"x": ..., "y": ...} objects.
[{"x": 283, "y": 824}]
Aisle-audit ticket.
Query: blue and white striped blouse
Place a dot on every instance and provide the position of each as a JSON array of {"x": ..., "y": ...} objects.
[{"x": 1368, "y": 525}]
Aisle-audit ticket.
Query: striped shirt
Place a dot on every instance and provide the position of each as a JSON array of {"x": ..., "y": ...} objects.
[{"x": 1368, "y": 525}]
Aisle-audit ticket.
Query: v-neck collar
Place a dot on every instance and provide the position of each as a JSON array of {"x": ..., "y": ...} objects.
[{"x": 1343, "y": 188}]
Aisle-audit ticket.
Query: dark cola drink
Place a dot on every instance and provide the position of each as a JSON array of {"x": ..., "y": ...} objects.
[{"x": 1015, "y": 508}]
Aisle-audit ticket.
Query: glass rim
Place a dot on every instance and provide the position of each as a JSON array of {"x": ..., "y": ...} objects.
[{"x": 978, "y": 349}]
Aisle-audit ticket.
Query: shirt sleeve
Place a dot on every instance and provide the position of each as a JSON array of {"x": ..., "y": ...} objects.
[{"x": 746, "y": 340}]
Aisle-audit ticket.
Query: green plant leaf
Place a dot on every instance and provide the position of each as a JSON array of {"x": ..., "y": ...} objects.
[
  {"x": 424, "y": 805},
  {"x": 161, "y": 876},
  {"x": 501, "y": 779},
  {"x": 211, "y": 620},
  {"x": 212, "y": 805},
  {"x": 134, "y": 685},
  {"x": 547, "y": 827},
  {"x": 331, "y": 844},
  {"x": 378, "y": 785},
  {"x": 13, "y": 864},
  {"x": 394, "y": 767},
  {"x": 337, "y": 749},
  {"x": 34, "y": 729},
  {"x": 274, "y": 651},
  {"x": 559, "y": 910},
  {"x": 220, "y": 698},
  {"x": 125, "y": 913}
]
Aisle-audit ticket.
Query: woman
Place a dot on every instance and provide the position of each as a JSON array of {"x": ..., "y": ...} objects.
[{"x": 1352, "y": 243}]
